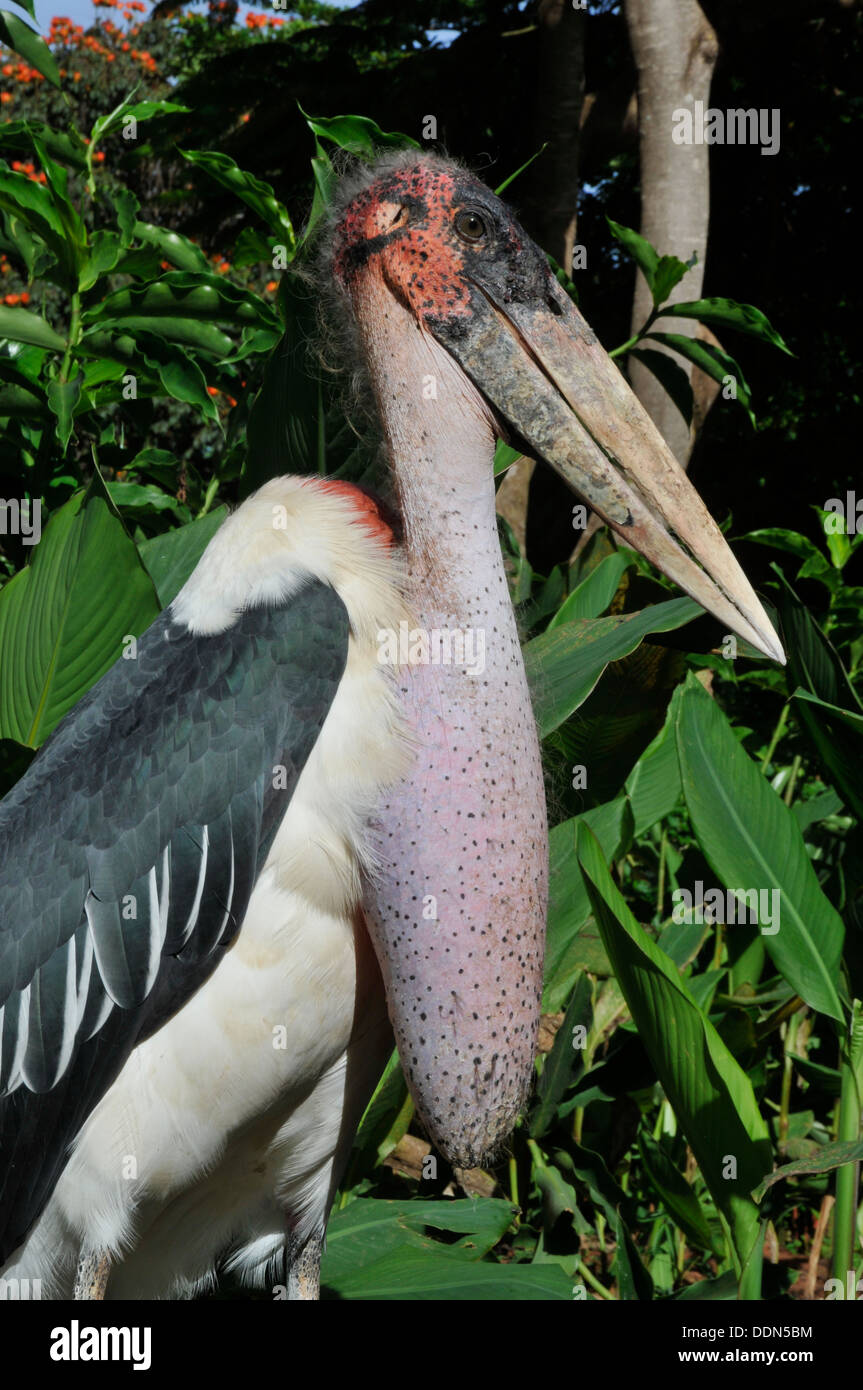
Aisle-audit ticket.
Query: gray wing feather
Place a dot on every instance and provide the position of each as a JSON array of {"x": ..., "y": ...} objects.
[{"x": 128, "y": 854}]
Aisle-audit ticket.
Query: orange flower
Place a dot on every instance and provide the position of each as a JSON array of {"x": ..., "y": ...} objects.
[
  {"x": 272, "y": 286},
  {"x": 212, "y": 390},
  {"x": 6, "y": 97},
  {"x": 25, "y": 298}
]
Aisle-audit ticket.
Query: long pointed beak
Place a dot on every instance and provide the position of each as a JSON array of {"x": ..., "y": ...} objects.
[{"x": 546, "y": 374}]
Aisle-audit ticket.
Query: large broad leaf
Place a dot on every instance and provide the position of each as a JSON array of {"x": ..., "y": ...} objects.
[
  {"x": 564, "y": 665},
  {"x": 569, "y": 949},
  {"x": 170, "y": 558},
  {"x": 371, "y": 1227},
  {"x": 380, "y": 1250},
  {"x": 753, "y": 842},
  {"x": 595, "y": 592},
  {"x": 416, "y": 1275},
  {"x": 653, "y": 786},
  {"x": 710, "y": 1094},
  {"x": 64, "y": 618}
]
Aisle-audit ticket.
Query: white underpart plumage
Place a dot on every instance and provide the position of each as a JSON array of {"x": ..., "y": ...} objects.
[{"x": 215, "y": 1138}]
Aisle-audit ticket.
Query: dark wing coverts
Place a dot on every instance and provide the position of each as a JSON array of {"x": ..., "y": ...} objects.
[{"x": 128, "y": 854}]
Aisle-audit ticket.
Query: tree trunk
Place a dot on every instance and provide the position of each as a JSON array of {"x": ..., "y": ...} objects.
[
  {"x": 559, "y": 99},
  {"x": 675, "y": 50}
]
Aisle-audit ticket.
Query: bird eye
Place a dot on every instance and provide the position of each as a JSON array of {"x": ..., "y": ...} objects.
[
  {"x": 401, "y": 217},
  {"x": 470, "y": 226}
]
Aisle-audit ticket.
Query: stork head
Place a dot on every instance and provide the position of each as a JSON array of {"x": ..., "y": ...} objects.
[{"x": 453, "y": 253}]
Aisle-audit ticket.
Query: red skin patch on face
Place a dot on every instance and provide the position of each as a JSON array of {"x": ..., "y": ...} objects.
[
  {"x": 422, "y": 261},
  {"x": 365, "y": 507}
]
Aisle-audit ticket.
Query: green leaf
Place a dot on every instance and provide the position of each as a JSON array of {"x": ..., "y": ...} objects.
[
  {"x": 815, "y": 665},
  {"x": 520, "y": 170},
  {"x": 381, "y": 1250},
  {"x": 105, "y": 251},
  {"x": 669, "y": 273},
  {"x": 729, "y": 314},
  {"x": 565, "y": 1063},
  {"x": 21, "y": 393},
  {"x": 752, "y": 842},
  {"x": 828, "y": 1157},
  {"x": 173, "y": 247},
  {"x": 504, "y": 457},
  {"x": 680, "y": 1201},
  {"x": 29, "y": 45},
  {"x": 63, "y": 397},
  {"x": 33, "y": 204},
  {"x": 254, "y": 192},
  {"x": 670, "y": 376},
  {"x": 63, "y": 618},
  {"x": 180, "y": 375},
  {"x": 126, "y": 207},
  {"x": 633, "y": 1280},
  {"x": 595, "y": 592},
  {"x": 653, "y": 786},
  {"x": 182, "y": 332},
  {"x": 22, "y": 326},
  {"x": 171, "y": 557},
  {"x": 412, "y": 1275},
  {"x": 570, "y": 947},
  {"x": 252, "y": 248},
  {"x": 139, "y": 110},
  {"x": 564, "y": 665},
  {"x": 386, "y": 1119},
  {"x": 641, "y": 251},
  {"x": 145, "y": 497},
  {"x": 65, "y": 146},
  {"x": 357, "y": 133},
  {"x": 712, "y": 360},
  {"x": 711, "y": 1095},
  {"x": 286, "y": 423},
  {"x": 184, "y": 295},
  {"x": 326, "y": 181}
]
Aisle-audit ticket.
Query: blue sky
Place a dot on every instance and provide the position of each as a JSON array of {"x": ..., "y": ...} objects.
[{"x": 83, "y": 12}]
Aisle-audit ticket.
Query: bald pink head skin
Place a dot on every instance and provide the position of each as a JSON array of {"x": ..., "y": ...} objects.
[{"x": 457, "y": 913}]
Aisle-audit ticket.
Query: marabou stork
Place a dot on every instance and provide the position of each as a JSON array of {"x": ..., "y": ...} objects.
[{"x": 216, "y": 873}]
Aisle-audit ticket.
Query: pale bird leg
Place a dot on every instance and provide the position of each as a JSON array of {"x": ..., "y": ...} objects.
[
  {"x": 304, "y": 1274},
  {"x": 91, "y": 1276}
]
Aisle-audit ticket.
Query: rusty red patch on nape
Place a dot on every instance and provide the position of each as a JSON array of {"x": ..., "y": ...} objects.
[
  {"x": 405, "y": 219},
  {"x": 367, "y": 508}
]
